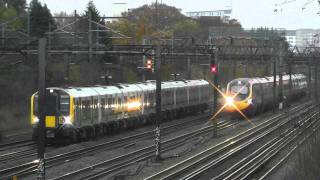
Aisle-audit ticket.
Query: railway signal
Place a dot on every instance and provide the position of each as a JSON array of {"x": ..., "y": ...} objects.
[
  {"x": 149, "y": 64},
  {"x": 213, "y": 67}
]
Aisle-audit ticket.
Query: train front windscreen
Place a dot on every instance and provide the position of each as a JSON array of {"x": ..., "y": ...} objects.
[
  {"x": 240, "y": 88},
  {"x": 55, "y": 105}
]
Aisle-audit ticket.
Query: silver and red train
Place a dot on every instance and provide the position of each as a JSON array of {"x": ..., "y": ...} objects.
[{"x": 254, "y": 95}]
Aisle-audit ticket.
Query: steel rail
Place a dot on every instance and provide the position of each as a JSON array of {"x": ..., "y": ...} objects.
[
  {"x": 283, "y": 159},
  {"x": 249, "y": 164},
  {"x": 197, "y": 159},
  {"x": 138, "y": 155},
  {"x": 51, "y": 161},
  {"x": 26, "y": 142},
  {"x": 235, "y": 150}
]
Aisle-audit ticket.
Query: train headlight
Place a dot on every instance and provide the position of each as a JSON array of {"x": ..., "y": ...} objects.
[
  {"x": 249, "y": 101},
  {"x": 67, "y": 120},
  {"x": 229, "y": 101},
  {"x": 35, "y": 119}
]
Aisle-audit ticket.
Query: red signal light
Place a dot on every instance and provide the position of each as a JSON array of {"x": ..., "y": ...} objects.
[
  {"x": 213, "y": 69},
  {"x": 149, "y": 64}
]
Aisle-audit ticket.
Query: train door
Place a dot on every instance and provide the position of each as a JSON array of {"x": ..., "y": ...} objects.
[
  {"x": 52, "y": 107},
  {"x": 78, "y": 117}
]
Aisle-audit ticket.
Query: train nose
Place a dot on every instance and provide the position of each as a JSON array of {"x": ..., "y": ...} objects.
[
  {"x": 233, "y": 105},
  {"x": 229, "y": 103}
]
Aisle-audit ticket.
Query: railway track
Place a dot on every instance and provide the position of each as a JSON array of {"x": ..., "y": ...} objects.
[
  {"x": 117, "y": 163},
  {"x": 32, "y": 151},
  {"x": 17, "y": 150},
  {"x": 30, "y": 167},
  {"x": 16, "y": 144},
  {"x": 201, "y": 164},
  {"x": 29, "y": 152},
  {"x": 277, "y": 165},
  {"x": 245, "y": 168}
]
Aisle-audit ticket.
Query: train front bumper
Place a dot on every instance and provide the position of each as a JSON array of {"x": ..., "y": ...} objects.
[
  {"x": 51, "y": 133},
  {"x": 238, "y": 106}
]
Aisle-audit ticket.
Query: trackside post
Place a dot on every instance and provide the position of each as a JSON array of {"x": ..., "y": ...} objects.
[
  {"x": 41, "y": 108},
  {"x": 215, "y": 93}
]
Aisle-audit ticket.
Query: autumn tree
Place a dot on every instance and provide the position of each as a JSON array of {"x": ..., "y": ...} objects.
[
  {"x": 186, "y": 28},
  {"x": 145, "y": 18},
  {"x": 10, "y": 10},
  {"x": 18, "y": 5}
]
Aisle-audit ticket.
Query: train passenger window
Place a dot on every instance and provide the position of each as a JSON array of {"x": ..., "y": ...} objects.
[
  {"x": 119, "y": 103},
  {"x": 109, "y": 102},
  {"x": 256, "y": 91},
  {"x": 145, "y": 98}
]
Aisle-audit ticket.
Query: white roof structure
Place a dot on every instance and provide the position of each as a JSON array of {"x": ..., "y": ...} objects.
[{"x": 127, "y": 88}]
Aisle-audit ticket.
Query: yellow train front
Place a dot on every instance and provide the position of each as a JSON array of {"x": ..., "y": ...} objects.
[
  {"x": 59, "y": 114},
  {"x": 255, "y": 95},
  {"x": 238, "y": 96}
]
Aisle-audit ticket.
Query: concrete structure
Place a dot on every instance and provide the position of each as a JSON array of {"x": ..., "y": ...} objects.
[
  {"x": 223, "y": 14},
  {"x": 303, "y": 37},
  {"x": 307, "y": 37},
  {"x": 291, "y": 37}
]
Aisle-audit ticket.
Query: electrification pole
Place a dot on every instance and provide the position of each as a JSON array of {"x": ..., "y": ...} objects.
[
  {"x": 275, "y": 102},
  {"x": 143, "y": 61},
  {"x": 280, "y": 75},
  {"x": 316, "y": 82},
  {"x": 3, "y": 34},
  {"x": 90, "y": 35},
  {"x": 290, "y": 84},
  {"x": 309, "y": 78},
  {"x": 158, "y": 92},
  {"x": 41, "y": 108},
  {"x": 215, "y": 93}
]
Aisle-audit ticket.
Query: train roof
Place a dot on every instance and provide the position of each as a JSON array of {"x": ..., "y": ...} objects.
[
  {"x": 146, "y": 86},
  {"x": 268, "y": 78},
  {"x": 127, "y": 88}
]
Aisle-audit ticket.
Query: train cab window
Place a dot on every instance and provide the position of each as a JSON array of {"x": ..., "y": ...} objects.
[
  {"x": 64, "y": 105},
  {"x": 35, "y": 105},
  {"x": 239, "y": 87}
]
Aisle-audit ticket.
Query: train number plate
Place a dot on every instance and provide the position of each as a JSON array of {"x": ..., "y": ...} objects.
[{"x": 50, "y": 134}]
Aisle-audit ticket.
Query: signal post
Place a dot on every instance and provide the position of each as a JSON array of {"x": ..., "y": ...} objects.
[
  {"x": 41, "y": 109},
  {"x": 214, "y": 70}
]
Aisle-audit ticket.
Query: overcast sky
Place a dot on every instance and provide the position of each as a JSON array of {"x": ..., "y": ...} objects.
[{"x": 250, "y": 13}]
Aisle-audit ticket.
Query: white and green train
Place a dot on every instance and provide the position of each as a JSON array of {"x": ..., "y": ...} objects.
[{"x": 85, "y": 112}]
